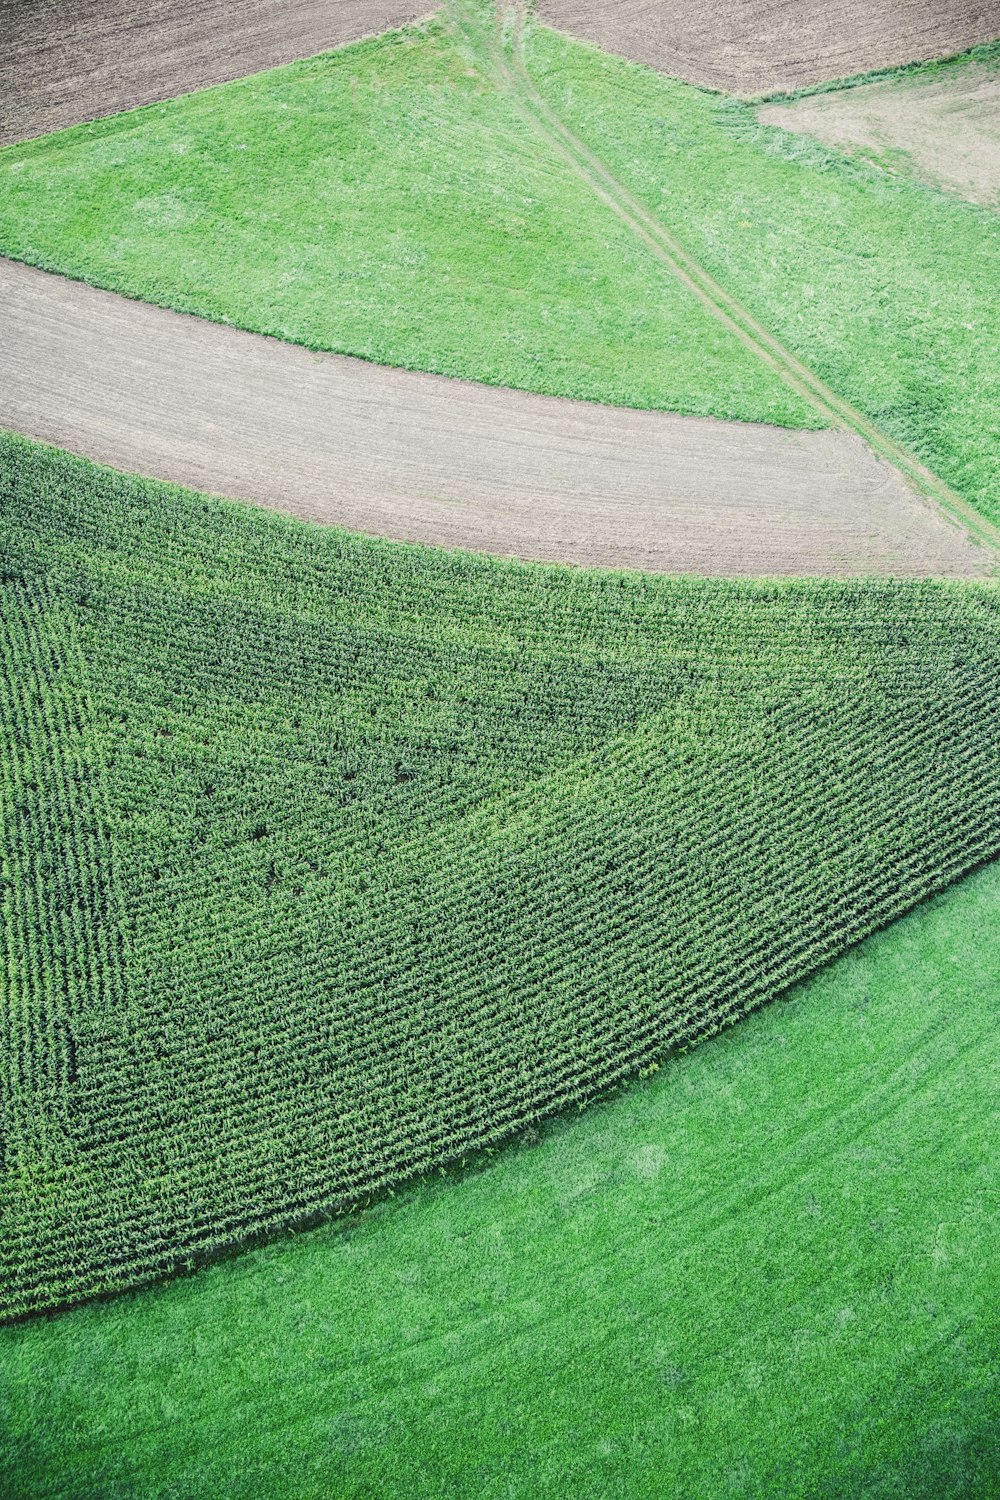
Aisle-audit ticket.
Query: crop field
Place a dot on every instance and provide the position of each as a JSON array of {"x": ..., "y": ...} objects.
[
  {"x": 406, "y": 209},
  {"x": 940, "y": 122},
  {"x": 336, "y": 860},
  {"x": 753, "y": 46},
  {"x": 499, "y": 751},
  {"x": 769, "y": 1270}
]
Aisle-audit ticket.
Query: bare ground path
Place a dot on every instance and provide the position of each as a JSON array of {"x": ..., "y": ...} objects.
[
  {"x": 64, "y": 61},
  {"x": 757, "y": 46},
  {"x": 421, "y": 457}
]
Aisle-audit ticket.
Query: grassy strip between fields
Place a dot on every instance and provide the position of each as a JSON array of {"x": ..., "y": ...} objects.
[
  {"x": 388, "y": 200},
  {"x": 883, "y": 287},
  {"x": 769, "y": 1271},
  {"x": 734, "y": 315},
  {"x": 334, "y": 860},
  {"x": 385, "y": 201}
]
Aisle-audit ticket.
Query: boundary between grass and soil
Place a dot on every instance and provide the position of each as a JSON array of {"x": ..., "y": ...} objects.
[
  {"x": 984, "y": 52},
  {"x": 501, "y": 53}
]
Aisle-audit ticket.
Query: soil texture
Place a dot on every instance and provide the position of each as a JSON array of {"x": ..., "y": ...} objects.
[
  {"x": 65, "y": 61},
  {"x": 420, "y": 457},
  {"x": 761, "y": 46},
  {"x": 945, "y": 129}
]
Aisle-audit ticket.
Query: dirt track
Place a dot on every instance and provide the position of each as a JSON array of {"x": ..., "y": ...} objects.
[
  {"x": 757, "y": 46},
  {"x": 63, "y": 61},
  {"x": 949, "y": 126},
  {"x": 425, "y": 458}
]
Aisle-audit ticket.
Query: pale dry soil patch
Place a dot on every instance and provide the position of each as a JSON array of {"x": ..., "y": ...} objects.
[
  {"x": 424, "y": 458},
  {"x": 945, "y": 129},
  {"x": 65, "y": 61},
  {"x": 758, "y": 46}
]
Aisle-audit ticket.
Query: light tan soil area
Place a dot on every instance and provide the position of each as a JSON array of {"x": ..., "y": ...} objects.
[
  {"x": 420, "y": 457},
  {"x": 948, "y": 126},
  {"x": 63, "y": 61},
  {"x": 758, "y": 46}
]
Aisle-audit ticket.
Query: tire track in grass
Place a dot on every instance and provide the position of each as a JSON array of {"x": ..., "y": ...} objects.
[{"x": 500, "y": 52}]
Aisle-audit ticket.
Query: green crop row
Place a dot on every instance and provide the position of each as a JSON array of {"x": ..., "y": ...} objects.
[{"x": 337, "y": 859}]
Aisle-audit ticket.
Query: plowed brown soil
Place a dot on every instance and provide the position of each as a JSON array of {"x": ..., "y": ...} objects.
[
  {"x": 420, "y": 457},
  {"x": 63, "y": 61},
  {"x": 757, "y": 46},
  {"x": 947, "y": 126}
]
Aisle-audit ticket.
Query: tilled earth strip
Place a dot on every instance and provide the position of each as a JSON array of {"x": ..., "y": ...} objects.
[
  {"x": 753, "y": 46},
  {"x": 420, "y": 457},
  {"x": 65, "y": 61}
]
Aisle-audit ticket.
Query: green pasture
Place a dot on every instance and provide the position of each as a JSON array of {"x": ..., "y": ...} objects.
[
  {"x": 768, "y": 1271},
  {"x": 388, "y": 200},
  {"x": 884, "y": 287},
  {"x": 383, "y": 201}
]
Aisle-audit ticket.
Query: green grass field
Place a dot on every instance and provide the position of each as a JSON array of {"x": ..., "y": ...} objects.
[
  {"x": 381, "y": 912},
  {"x": 769, "y": 1271},
  {"x": 885, "y": 288},
  {"x": 390, "y": 201},
  {"x": 335, "y": 859},
  {"x": 382, "y": 201}
]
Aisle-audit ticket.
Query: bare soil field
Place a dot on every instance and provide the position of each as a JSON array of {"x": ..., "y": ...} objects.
[
  {"x": 63, "y": 61},
  {"x": 419, "y": 457},
  {"x": 760, "y": 46},
  {"x": 947, "y": 126}
]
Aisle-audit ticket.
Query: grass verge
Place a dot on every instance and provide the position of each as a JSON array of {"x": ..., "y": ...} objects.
[{"x": 883, "y": 288}]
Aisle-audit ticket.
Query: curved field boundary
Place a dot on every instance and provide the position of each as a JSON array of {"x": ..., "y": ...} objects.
[
  {"x": 66, "y": 61},
  {"x": 751, "y": 46},
  {"x": 420, "y": 457},
  {"x": 712, "y": 1193},
  {"x": 409, "y": 849},
  {"x": 501, "y": 53},
  {"x": 943, "y": 125}
]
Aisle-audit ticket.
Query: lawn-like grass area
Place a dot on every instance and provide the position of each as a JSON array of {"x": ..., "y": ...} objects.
[
  {"x": 884, "y": 287},
  {"x": 383, "y": 201},
  {"x": 768, "y": 1271},
  {"x": 390, "y": 201},
  {"x": 333, "y": 859}
]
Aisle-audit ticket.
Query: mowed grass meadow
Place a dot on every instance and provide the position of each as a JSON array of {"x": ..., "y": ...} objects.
[
  {"x": 383, "y": 201},
  {"x": 768, "y": 1271},
  {"x": 388, "y": 200},
  {"x": 885, "y": 287}
]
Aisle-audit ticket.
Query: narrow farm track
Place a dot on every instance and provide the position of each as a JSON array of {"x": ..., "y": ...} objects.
[
  {"x": 501, "y": 52},
  {"x": 420, "y": 457},
  {"x": 66, "y": 61}
]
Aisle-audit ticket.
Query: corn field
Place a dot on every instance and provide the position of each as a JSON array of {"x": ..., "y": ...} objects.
[{"x": 326, "y": 861}]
